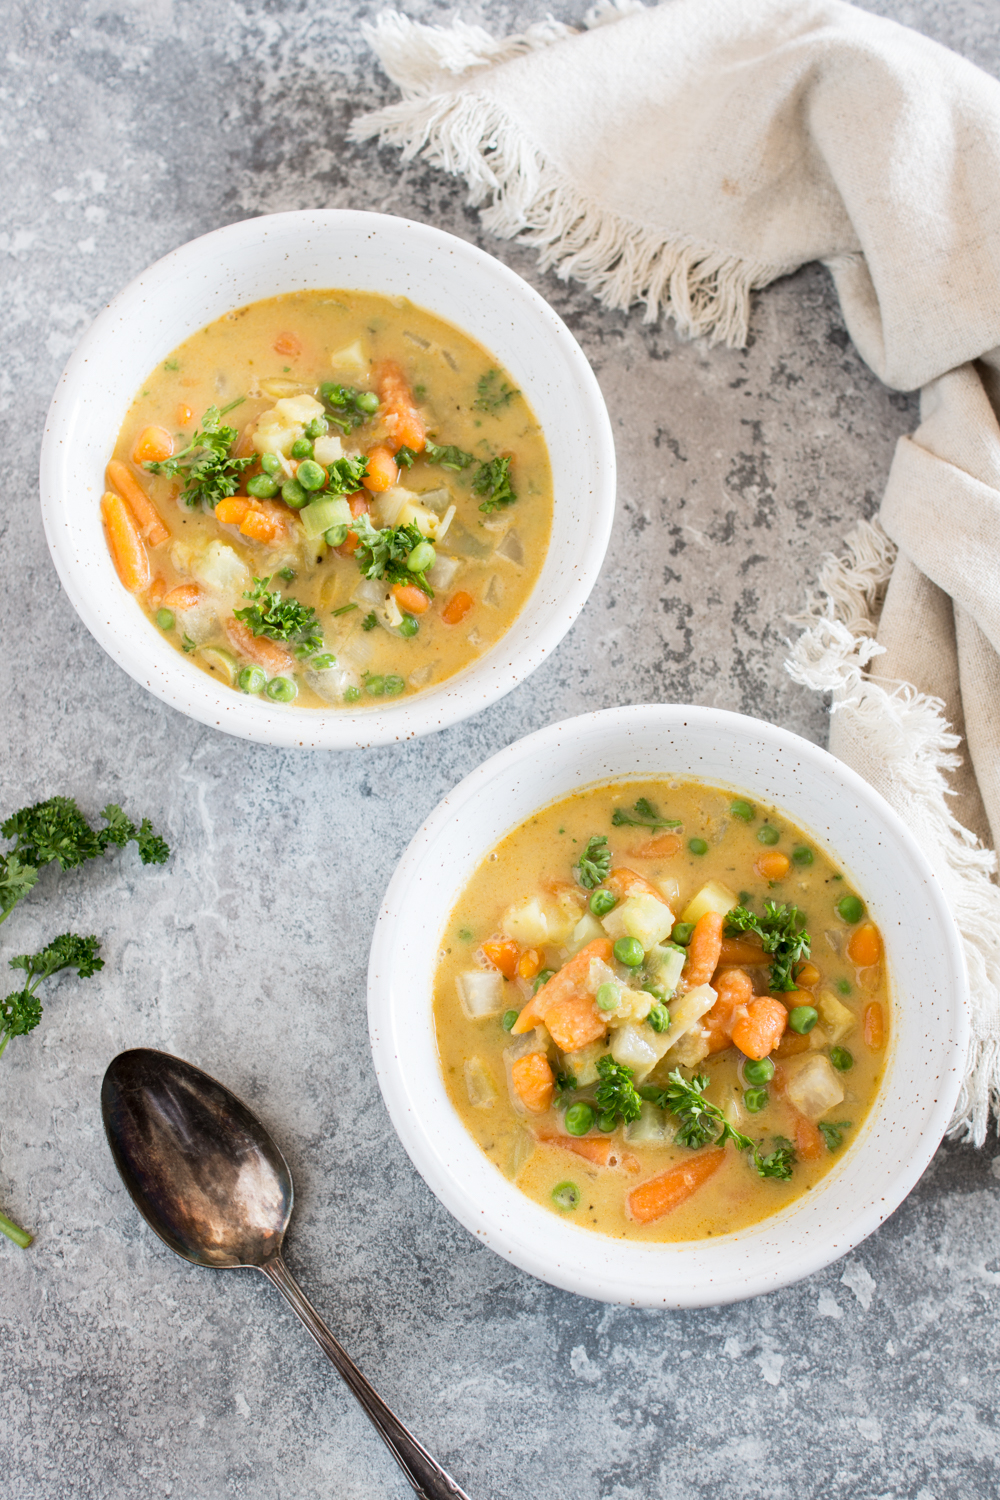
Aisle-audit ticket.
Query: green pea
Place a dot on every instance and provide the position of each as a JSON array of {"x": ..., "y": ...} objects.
[
  {"x": 542, "y": 977},
  {"x": 251, "y": 680},
  {"x": 756, "y": 1100},
  {"x": 352, "y": 694},
  {"x": 601, "y": 902},
  {"x": 394, "y": 686},
  {"x": 302, "y": 448},
  {"x": 262, "y": 487},
  {"x": 742, "y": 810},
  {"x": 758, "y": 1070},
  {"x": 841, "y": 1059},
  {"x": 697, "y": 846},
  {"x": 282, "y": 689},
  {"x": 659, "y": 1018},
  {"x": 566, "y": 1195},
  {"x": 421, "y": 558},
  {"x": 767, "y": 835},
  {"x": 323, "y": 662},
  {"x": 311, "y": 475},
  {"x": 293, "y": 494},
  {"x": 850, "y": 909},
  {"x": 607, "y": 996},
  {"x": 656, "y": 990},
  {"x": 629, "y": 951},
  {"x": 318, "y": 427},
  {"x": 579, "y": 1118},
  {"x": 408, "y": 627},
  {"x": 375, "y": 686},
  {"x": 165, "y": 619},
  {"x": 607, "y": 1121},
  {"x": 270, "y": 463},
  {"x": 843, "y": 987},
  {"x": 803, "y": 1018},
  {"x": 509, "y": 1017},
  {"x": 367, "y": 401},
  {"x": 336, "y": 536},
  {"x": 681, "y": 933},
  {"x": 802, "y": 855}
]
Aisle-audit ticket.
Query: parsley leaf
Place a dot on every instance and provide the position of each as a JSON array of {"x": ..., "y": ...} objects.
[
  {"x": 383, "y": 554},
  {"x": 406, "y": 457},
  {"x": 16, "y": 880},
  {"x": 492, "y": 395},
  {"x": 449, "y": 457},
  {"x": 595, "y": 862},
  {"x": 782, "y": 932},
  {"x": 616, "y": 1097},
  {"x": 347, "y": 407},
  {"x": 703, "y": 1123},
  {"x": 493, "y": 480},
  {"x": 833, "y": 1134},
  {"x": 280, "y": 619},
  {"x": 370, "y": 621},
  {"x": 643, "y": 815},
  {"x": 344, "y": 475},
  {"x": 209, "y": 471}
]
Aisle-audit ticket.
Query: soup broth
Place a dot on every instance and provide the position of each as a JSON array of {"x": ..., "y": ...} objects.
[
  {"x": 614, "y": 1033},
  {"x": 331, "y": 498}
]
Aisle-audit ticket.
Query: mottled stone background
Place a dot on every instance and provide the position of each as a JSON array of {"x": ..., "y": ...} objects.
[{"x": 130, "y": 126}]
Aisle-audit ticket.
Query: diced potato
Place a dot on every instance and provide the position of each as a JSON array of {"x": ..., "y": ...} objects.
[
  {"x": 413, "y": 514},
  {"x": 837, "y": 1019},
  {"x": 527, "y": 924},
  {"x": 813, "y": 1087},
  {"x": 598, "y": 973},
  {"x": 328, "y": 448},
  {"x": 634, "y": 1005},
  {"x": 690, "y": 1050},
  {"x": 666, "y": 965},
  {"x": 296, "y": 411},
  {"x": 686, "y": 1012},
  {"x": 481, "y": 992},
  {"x": 649, "y": 1130},
  {"x": 351, "y": 360},
  {"x": 586, "y": 931},
  {"x": 583, "y": 1064},
  {"x": 220, "y": 568},
  {"x": 712, "y": 897},
  {"x": 671, "y": 891},
  {"x": 271, "y": 435},
  {"x": 564, "y": 911},
  {"x": 631, "y": 1047},
  {"x": 182, "y": 556},
  {"x": 641, "y": 916},
  {"x": 481, "y": 1090}
]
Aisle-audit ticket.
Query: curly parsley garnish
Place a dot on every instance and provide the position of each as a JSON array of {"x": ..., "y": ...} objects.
[
  {"x": 493, "y": 480},
  {"x": 383, "y": 554},
  {"x": 832, "y": 1133},
  {"x": 281, "y": 619},
  {"x": 643, "y": 815},
  {"x": 703, "y": 1123},
  {"x": 347, "y": 407},
  {"x": 209, "y": 471},
  {"x": 616, "y": 1097},
  {"x": 782, "y": 932},
  {"x": 450, "y": 457},
  {"x": 370, "y": 621},
  {"x": 492, "y": 395},
  {"x": 595, "y": 862}
]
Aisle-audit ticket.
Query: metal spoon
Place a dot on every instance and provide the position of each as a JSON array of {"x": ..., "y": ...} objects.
[{"x": 207, "y": 1177}]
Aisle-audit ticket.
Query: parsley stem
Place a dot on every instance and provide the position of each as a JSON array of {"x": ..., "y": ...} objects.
[{"x": 13, "y": 1232}]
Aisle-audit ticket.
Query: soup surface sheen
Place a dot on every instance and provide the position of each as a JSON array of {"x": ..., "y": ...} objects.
[
  {"x": 648, "y": 900},
  {"x": 331, "y": 498}
]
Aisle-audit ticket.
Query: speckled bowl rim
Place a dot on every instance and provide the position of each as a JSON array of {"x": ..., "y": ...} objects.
[
  {"x": 278, "y": 253},
  {"x": 928, "y": 1034}
]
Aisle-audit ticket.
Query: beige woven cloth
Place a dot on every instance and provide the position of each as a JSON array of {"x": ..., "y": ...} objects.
[{"x": 684, "y": 155}]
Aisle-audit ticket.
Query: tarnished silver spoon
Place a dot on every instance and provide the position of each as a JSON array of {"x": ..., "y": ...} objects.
[{"x": 207, "y": 1177}]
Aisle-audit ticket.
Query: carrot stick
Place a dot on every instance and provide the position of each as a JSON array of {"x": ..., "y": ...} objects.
[
  {"x": 565, "y": 985},
  {"x": 457, "y": 608},
  {"x": 258, "y": 526},
  {"x": 397, "y": 407},
  {"x": 503, "y": 956},
  {"x": 257, "y": 648},
  {"x": 773, "y": 866},
  {"x": 382, "y": 471},
  {"x": 652, "y": 1199},
  {"x": 662, "y": 847},
  {"x": 874, "y": 1027},
  {"x": 184, "y": 596},
  {"x": 534, "y": 1082},
  {"x": 734, "y": 989},
  {"x": 703, "y": 949},
  {"x": 147, "y": 516},
  {"x": 739, "y": 951},
  {"x": 760, "y": 1030},
  {"x": 865, "y": 946},
  {"x": 601, "y": 1150},
  {"x": 624, "y": 882},
  {"x": 808, "y": 1141},
  {"x": 153, "y": 444},
  {"x": 410, "y": 598},
  {"x": 124, "y": 543},
  {"x": 230, "y": 512}
]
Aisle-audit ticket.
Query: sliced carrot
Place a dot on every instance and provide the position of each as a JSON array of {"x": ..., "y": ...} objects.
[
  {"x": 575, "y": 1022},
  {"x": 257, "y": 648},
  {"x": 382, "y": 471},
  {"x": 600, "y": 1150},
  {"x": 121, "y": 478},
  {"x": 874, "y": 1027},
  {"x": 734, "y": 989},
  {"x": 661, "y": 847},
  {"x": 184, "y": 596},
  {"x": 232, "y": 510},
  {"x": 739, "y": 951},
  {"x": 534, "y": 1082},
  {"x": 760, "y": 1030},
  {"x": 457, "y": 608},
  {"x": 773, "y": 865},
  {"x": 791, "y": 1044},
  {"x": 808, "y": 1140},
  {"x": 398, "y": 409},
  {"x": 410, "y": 598},
  {"x": 529, "y": 963},
  {"x": 652, "y": 1199},
  {"x": 568, "y": 985},
  {"x": 287, "y": 344},
  {"x": 625, "y": 882},
  {"x": 807, "y": 976},
  {"x": 259, "y": 526},
  {"x": 153, "y": 445},
  {"x": 183, "y": 414},
  {"x": 503, "y": 956},
  {"x": 703, "y": 949},
  {"x": 864, "y": 946},
  {"x": 124, "y": 543}
]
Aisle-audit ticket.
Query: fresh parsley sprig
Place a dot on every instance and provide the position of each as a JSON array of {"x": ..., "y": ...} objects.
[
  {"x": 492, "y": 480},
  {"x": 643, "y": 815},
  {"x": 279, "y": 619},
  {"x": 616, "y": 1097},
  {"x": 347, "y": 407},
  {"x": 832, "y": 1133},
  {"x": 782, "y": 933},
  {"x": 448, "y": 457},
  {"x": 383, "y": 553},
  {"x": 344, "y": 475},
  {"x": 209, "y": 470},
  {"x": 492, "y": 394},
  {"x": 703, "y": 1123},
  {"x": 595, "y": 862}
]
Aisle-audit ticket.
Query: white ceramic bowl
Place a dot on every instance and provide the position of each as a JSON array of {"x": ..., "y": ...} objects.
[
  {"x": 289, "y": 252},
  {"x": 928, "y": 1028}
]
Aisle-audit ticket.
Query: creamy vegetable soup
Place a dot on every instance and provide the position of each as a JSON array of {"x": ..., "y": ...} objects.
[
  {"x": 661, "y": 1010},
  {"x": 330, "y": 498}
]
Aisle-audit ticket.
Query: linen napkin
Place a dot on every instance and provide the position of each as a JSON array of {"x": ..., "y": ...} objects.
[{"x": 684, "y": 155}]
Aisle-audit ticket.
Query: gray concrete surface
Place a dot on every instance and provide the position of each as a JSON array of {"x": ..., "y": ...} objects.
[{"x": 127, "y": 129}]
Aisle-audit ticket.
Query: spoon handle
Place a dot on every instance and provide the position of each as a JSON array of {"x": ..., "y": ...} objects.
[{"x": 425, "y": 1475}]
